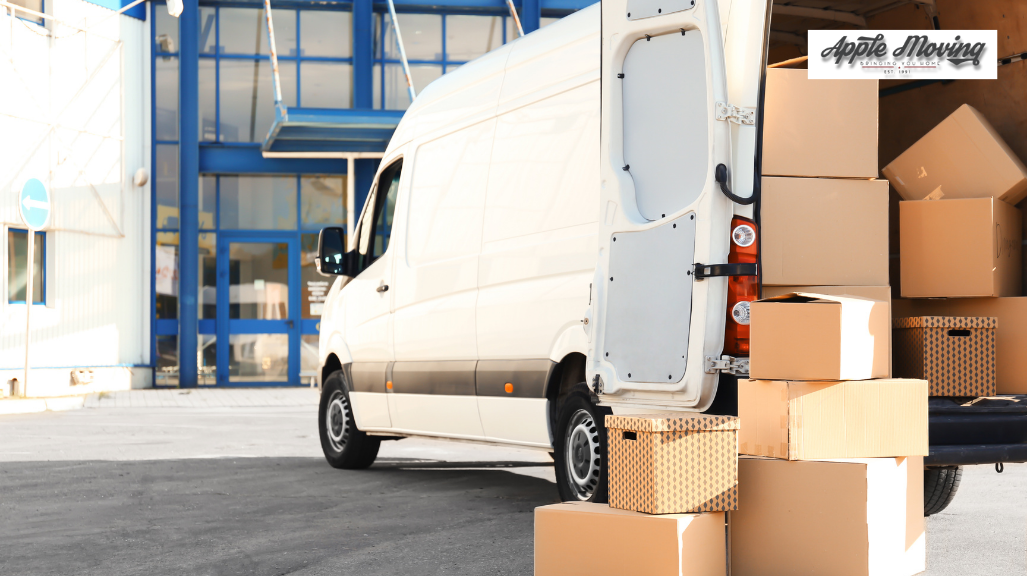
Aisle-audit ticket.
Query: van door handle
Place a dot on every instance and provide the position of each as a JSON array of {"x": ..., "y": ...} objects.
[{"x": 382, "y": 288}]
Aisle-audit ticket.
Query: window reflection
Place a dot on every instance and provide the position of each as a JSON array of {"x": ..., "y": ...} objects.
[
  {"x": 247, "y": 98},
  {"x": 315, "y": 286},
  {"x": 325, "y": 33},
  {"x": 258, "y": 202},
  {"x": 326, "y": 85},
  {"x": 166, "y": 98},
  {"x": 323, "y": 201},
  {"x": 258, "y": 283},
  {"x": 422, "y": 36},
  {"x": 208, "y": 276},
  {"x": 165, "y": 263},
  {"x": 165, "y": 182},
  {"x": 244, "y": 31},
  {"x": 258, "y": 358},
  {"x": 468, "y": 37}
]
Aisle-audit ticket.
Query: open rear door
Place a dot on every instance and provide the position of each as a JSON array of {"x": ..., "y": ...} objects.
[{"x": 668, "y": 128}]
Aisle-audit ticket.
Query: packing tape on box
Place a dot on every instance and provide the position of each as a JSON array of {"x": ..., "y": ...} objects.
[
  {"x": 744, "y": 448},
  {"x": 784, "y": 421},
  {"x": 784, "y": 450}
]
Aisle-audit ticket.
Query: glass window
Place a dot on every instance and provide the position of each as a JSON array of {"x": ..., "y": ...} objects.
[
  {"x": 326, "y": 85},
  {"x": 258, "y": 284},
  {"x": 208, "y": 251},
  {"x": 208, "y": 359},
  {"x": 322, "y": 201},
  {"x": 397, "y": 97},
  {"x": 376, "y": 225},
  {"x": 468, "y": 37},
  {"x": 165, "y": 34},
  {"x": 383, "y": 226},
  {"x": 258, "y": 358},
  {"x": 247, "y": 98},
  {"x": 258, "y": 202},
  {"x": 167, "y": 361},
  {"x": 165, "y": 265},
  {"x": 326, "y": 34},
  {"x": 17, "y": 271},
  {"x": 244, "y": 31},
  {"x": 309, "y": 363},
  {"x": 166, "y": 97},
  {"x": 208, "y": 202},
  {"x": 208, "y": 100},
  {"x": 422, "y": 36},
  {"x": 166, "y": 182},
  {"x": 315, "y": 286},
  {"x": 35, "y": 5}
]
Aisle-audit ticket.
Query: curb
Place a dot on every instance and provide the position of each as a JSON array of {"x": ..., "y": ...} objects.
[{"x": 34, "y": 405}]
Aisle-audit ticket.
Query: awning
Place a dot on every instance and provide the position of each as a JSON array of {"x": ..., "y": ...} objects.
[{"x": 329, "y": 131}]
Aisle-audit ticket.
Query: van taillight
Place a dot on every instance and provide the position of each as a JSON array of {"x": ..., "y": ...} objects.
[{"x": 740, "y": 289}]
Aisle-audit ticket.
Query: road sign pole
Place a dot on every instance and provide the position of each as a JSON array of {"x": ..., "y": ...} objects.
[{"x": 29, "y": 273}]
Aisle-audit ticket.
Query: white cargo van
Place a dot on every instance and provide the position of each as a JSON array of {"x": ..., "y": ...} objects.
[{"x": 564, "y": 228}]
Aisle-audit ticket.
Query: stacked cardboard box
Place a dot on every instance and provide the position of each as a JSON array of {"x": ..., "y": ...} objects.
[
  {"x": 824, "y": 216},
  {"x": 960, "y": 241}
]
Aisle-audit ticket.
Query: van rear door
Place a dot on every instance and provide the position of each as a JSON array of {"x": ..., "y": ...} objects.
[{"x": 667, "y": 130}]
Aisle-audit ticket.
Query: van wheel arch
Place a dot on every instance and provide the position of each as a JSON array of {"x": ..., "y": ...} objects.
[
  {"x": 332, "y": 364},
  {"x": 568, "y": 373}
]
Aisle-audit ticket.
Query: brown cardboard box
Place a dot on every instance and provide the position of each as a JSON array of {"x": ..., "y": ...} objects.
[
  {"x": 811, "y": 420},
  {"x": 632, "y": 542},
  {"x": 824, "y": 232},
  {"x": 843, "y": 518},
  {"x": 964, "y": 156},
  {"x": 807, "y": 336},
  {"x": 673, "y": 463},
  {"x": 817, "y": 128},
  {"x": 1010, "y": 333},
  {"x": 959, "y": 248},
  {"x": 956, "y": 355}
]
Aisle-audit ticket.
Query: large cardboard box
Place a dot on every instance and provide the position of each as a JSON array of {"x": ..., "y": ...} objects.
[
  {"x": 1010, "y": 333},
  {"x": 807, "y": 336},
  {"x": 964, "y": 156},
  {"x": 810, "y": 420},
  {"x": 959, "y": 248},
  {"x": 824, "y": 232},
  {"x": 955, "y": 354},
  {"x": 586, "y": 539},
  {"x": 843, "y": 518},
  {"x": 673, "y": 463},
  {"x": 825, "y": 128}
]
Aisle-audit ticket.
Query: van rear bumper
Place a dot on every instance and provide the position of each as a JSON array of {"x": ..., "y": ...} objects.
[{"x": 988, "y": 431}]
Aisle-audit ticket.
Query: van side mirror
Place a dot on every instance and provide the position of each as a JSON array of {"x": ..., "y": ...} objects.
[{"x": 332, "y": 258}]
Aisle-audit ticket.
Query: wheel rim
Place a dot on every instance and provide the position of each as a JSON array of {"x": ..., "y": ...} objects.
[
  {"x": 582, "y": 451},
  {"x": 337, "y": 421}
]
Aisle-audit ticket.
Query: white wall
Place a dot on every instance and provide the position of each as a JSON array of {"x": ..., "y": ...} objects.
[{"x": 74, "y": 113}]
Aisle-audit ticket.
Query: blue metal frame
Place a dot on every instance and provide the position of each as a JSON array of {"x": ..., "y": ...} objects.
[
  {"x": 42, "y": 258},
  {"x": 188, "y": 191}
]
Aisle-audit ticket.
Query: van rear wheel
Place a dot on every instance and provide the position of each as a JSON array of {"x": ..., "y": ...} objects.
[
  {"x": 580, "y": 456},
  {"x": 343, "y": 444}
]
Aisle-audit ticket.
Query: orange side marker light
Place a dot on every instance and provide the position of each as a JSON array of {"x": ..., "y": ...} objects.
[{"x": 508, "y": 388}]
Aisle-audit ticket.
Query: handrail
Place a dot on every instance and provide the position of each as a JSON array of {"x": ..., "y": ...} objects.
[
  {"x": 402, "y": 51},
  {"x": 275, "y": 80},
  {"x": 516, "y": 18}
]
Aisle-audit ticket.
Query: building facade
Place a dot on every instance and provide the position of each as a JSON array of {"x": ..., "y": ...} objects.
[{"x": 211, "y": 250}]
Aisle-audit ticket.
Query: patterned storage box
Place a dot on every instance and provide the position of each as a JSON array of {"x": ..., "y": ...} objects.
[
  {"x": 673, "y": 463},
  {"x": 955, "y": 355}
]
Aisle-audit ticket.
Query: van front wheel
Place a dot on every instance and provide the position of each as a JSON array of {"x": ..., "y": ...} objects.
[
  {"x": 580, "y": 456},
  {"x": 344, "y": 445}
]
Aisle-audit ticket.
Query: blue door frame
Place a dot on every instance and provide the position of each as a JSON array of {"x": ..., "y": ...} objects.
[{"x": 227, "y": 326}]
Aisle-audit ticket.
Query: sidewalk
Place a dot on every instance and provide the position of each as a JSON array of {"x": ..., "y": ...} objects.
[{"x": 168, "y": 398}]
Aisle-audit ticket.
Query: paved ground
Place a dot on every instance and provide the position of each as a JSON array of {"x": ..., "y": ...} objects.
[{"x": 242, "y": 489}]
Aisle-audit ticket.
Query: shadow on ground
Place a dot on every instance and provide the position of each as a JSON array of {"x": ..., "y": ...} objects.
[{"x": 266, "y": 516}]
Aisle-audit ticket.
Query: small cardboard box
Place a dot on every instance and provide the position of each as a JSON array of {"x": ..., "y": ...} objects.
[
  {"x": 631, "y": 542},
  {"x": 806, "y": 336},
  {"x": 824, "y": 232},
  {"x": 956, "y": 355},
  {"x": 843, "y": 518},
  {"x": 819, "y": 128},
  {"x": 964, "y": 156},
  {"x": 811, "y": 420},
  {"x": 959, "y": 248},
  {"x": 1010, "y": 333},
  {"x": 673, "y": 463}
]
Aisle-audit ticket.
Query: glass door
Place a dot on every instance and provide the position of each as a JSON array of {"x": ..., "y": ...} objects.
[{"x": 258, "y": 331}]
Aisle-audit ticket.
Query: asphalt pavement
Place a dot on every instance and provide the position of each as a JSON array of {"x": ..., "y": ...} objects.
[{"x": 241, "y": 488}]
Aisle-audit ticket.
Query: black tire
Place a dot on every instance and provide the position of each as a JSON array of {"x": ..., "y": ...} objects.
[
  {"x": 940, "y": 485},
  {"x": 581, "y": 432},
  {"x": 344, "y": 445}
]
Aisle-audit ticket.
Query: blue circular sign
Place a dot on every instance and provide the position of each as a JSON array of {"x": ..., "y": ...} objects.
[{"x": 34, "y": 204}]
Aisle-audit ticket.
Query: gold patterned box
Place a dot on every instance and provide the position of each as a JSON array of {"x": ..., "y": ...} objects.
[
  {"x": 673, "y": 463},
  {"x": 956, "y": 355}
]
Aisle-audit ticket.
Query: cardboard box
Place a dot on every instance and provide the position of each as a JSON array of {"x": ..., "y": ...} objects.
[
  {"x": 956, "y": 355},
  {"x": 965, "y": 157},
  {"x": 824, "y": 232},
  {"x": 819, "y": 128},
  {"x": 1010, "y": 333},
  {"x": 627, "y": 542},
  {"x": 959, "y": 248},
  {"x": 811, "y": 420},
  {"x": 843, "y": 518},
  {"x": 673, "y": 463},
  {"x": 807, "y": 336}
]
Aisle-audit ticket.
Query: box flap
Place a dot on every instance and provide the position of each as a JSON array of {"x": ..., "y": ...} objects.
[
  {"x": 807, "y": 297},
  {"x": 671, "y": 422},
  {"x": 969, "y": 322}
]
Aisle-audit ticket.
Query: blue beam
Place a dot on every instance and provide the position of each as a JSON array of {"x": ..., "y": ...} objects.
[
  {"x": 531, "y": 13},
  {"x": 138, "y": 11},
  {"x": 363, "y": 56},
  {"x": 215, "y": 159},
  {"x": 188, "y": 191}
]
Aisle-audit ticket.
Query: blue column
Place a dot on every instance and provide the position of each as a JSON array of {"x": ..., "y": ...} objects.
[
  {"x": 363, "y": 54},
  {"x": 365, "y": 170},
  {"x": 188, "y": 209},
  {"x": 531, "y": 14}
]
